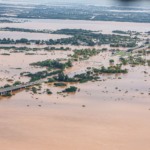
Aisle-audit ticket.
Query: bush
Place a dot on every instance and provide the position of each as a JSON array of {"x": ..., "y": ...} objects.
[
  {"x": 51, "y": 80},
  {"x": 71, "y": 89},
  {"x": 8, "y": 94},
  {"x": 17, "y": 83},
  {"x": 34, "y": 90},
  {"x": 7, "y": 85},
  {"x": 48, "y": 92},
  {"x": 60, "y": 84},
  {"x": 111, "y": 61}
]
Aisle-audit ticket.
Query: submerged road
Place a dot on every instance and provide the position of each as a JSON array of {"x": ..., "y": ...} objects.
[{"x": 3, "y": 91}]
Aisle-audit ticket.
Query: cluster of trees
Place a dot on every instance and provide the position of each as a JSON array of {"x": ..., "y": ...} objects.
[
  {"x": 11, "y": 41},
  {"x": 125, "y": 44},
  {"x": 70, "y": 89},
  {"x": 72, "y": 31},
  {"x": 24, "y": 30},
  {"x": 33, "y": 49},
  {"x": 60, "y": 84},
  {"x": 53, "y": 64},
  {"x": 123, "y": 61},
  {"x": 61, "y": 77},
  {"x": 120, "y": 32},
  {"x": 79, "y": 37},
  {"x": 84, "y": 77},
  {"x": 85, "y": 53},
  {"x": 111, "y": 69},
  {"x": 91, "y": 38},
  {"x": 41, "y": 75},
  {"x": 148, "y": 62},
  {"x": 136, "y": 60},
  {"x": 54, "y": 48},
  {"x": 14, "y": 84}
]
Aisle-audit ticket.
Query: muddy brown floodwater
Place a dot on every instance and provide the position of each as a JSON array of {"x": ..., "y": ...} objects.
[
  {"x": 111, "y": 114},
  {"x": 30, "y": 36},
  {"x": 54, "y": 24}
]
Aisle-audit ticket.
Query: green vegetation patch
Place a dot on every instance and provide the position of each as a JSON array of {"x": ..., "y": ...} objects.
[
  {"x": 71, "y": 89},
  {"x": 60, "y": 84}
]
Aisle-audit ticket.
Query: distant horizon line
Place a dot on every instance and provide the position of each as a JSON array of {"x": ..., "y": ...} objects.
[{"x": 69, "y": 3}]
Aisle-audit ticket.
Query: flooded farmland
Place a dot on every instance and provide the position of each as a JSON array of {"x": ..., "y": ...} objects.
[
  {"x": 54, "y": 24},
  {"x": 110, "y": 113}
]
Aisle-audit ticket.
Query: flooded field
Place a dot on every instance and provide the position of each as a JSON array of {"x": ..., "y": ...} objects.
[
  {"x": 12, "y": 67},
  {"x": 111, "y": 113},
  {"x": 109, "y": 120},
  {"x": 30, "y": 36},
  {"x": 105, "y": 27}
]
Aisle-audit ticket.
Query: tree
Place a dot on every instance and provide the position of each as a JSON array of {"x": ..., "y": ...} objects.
[
  {"x": 61, "y": 76},
  {"x": 69, "y": 63}
]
